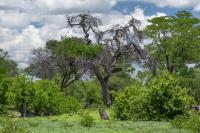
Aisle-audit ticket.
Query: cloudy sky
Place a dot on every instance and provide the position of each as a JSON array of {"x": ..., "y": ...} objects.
[{"x": 28, "y": 24}]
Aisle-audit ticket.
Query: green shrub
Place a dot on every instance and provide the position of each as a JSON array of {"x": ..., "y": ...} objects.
[
  {"x": 87, "y": 120},
  {"x": 130, "y": 104},
  {"x": 70, "y": 105},
  {"x": 20, "y": 94},
  {"x": 4, "y": 86},
  {"x": 93, "y": 94},
  {"x": 162, "y": 98},
  {"x": 48, "y": 99},
  {"x": 166, "y": 98},
  {"x": 41, "y": 97},
  {"x": 9, "y": 125},
  {"x": 191, "y": 121}
]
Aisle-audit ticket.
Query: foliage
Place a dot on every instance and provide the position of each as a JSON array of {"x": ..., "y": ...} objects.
[
  {"x": 175, "y": 39},
  {"x": 4, "y": 89},
  {"x": 87, "y": 120},
  {"x": 48, "y": 99},
  {"x": 11, "y": 66},
  {"x": 77, "y": 89},
  {"x": 130, "y": 103},
  {"x": 92, "y": 94},
  {"x": 7, "y": 66},
  {"x": 120, "y": 46},
  {"x": 41, "y": 97},
  {"x": 166, "y": 98},
  {"x": 191, "y": 121},
  {"x": 9, "y": 125},
  {"x": 190, "y": 78},
  {"x": 21, "y": 94},
  {"x": 70, "y": 105},
  {"x": 3, "y": 70},
  {"x": 120, "y": 80},
  {"x": 74, "y": 47},
  {"x": 162, "y": 98}
]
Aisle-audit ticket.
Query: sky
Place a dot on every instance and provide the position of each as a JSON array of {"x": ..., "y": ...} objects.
[{"x": 27, "y": 24}]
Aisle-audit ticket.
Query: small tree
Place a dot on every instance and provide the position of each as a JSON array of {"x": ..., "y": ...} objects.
[{"x": 20, "y": 94}]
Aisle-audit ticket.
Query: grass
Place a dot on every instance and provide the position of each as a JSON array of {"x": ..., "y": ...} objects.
[{"x": 71, "y": 124}]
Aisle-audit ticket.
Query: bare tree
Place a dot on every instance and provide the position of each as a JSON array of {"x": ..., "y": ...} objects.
[
  {"x": 85, "y": 22},
  {"x": 119, "y": 43}
]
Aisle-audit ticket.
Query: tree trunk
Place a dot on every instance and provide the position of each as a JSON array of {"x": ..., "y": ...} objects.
[
  {"x": 105, "y": 92},
  {"x": 24, "y": 109},
  {"x": 171, "y": 69}
]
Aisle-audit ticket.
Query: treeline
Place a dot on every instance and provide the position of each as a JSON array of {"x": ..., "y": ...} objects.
[{"x": 99, "y": 70}]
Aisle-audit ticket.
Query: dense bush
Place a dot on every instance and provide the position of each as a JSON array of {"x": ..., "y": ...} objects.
[
  {"x": 21, "y": 94},
  {"x": 92, "y": 94},
  {"x": 4, "y": 86},
  {"x": 166, "y": 99},
  {"x": 162, "y": 98},
  {"x": 87, "y": 92},
  {"x": 41, "y": 97},
  {"x": 191, "y": 121},
  {"x": 86, "y": 120},
  {"x": 48, "y": 98},
  {"x": 9, "y": 125},
  {"x": 130, "y": 104},
  {"x": 70, "y": 105}
]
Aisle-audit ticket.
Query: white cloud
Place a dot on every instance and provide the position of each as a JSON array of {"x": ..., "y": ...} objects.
[
  {"x": 58, "y": 6},
  {"x": 195, "y": 4},
  {"x": 20, "y": 45},
  {"x": 28, "y": 24}
]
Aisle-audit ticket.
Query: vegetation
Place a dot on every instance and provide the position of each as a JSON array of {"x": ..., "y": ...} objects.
[
  {"x": 161, "y": 99},
  {"x": 87, "y": 120},
  {"x": 71, "y": 124},
  {"x": 191, "y": 121},
  {"x": 175, "y": 40},
  {"x": 9, "y": 125},
  {"x": 68, "y": 80}
]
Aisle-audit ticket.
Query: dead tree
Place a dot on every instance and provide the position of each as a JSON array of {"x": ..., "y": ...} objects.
[
  {"x": 118, "y": 42},
  {"x": 85, "y": 22}
]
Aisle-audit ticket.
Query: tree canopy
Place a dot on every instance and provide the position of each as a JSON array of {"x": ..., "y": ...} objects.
[{"x": 175, "y": 40}]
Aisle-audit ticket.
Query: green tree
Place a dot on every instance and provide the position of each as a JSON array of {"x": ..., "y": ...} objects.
[
  {"x": 190, "y": 78},
  {"x": 3, "y": 70},
  {"x": 61, "y": 60},
  {"x": 175, "y": 40},
  {"x": 8, "y": 67},
  {"x": 4, "y": 89},
  {"x": 21, "y": 94}
]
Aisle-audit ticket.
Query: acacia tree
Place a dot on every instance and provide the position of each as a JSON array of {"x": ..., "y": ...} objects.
[
  {"x": 49, "y": 62},
  {"x": 119, "y": 45},
  {"x": 175, "y": 41}
]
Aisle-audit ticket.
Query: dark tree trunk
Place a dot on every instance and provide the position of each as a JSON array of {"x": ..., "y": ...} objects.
[
  {"x": 23, "y": 109},
  {"x": 105, "y": 92},
  {"x": 171, "y": 69}
]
